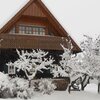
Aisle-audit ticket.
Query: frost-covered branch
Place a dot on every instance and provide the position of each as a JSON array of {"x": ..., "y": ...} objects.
[{"x": 32, "y": 62}]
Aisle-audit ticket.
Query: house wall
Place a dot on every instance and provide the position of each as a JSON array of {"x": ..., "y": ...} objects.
[
  {"x": 36, "y": 21},
  {"x": 35, "y": 15},
  {"x": 33, "y": 10},
  {"x": 39, "y": 21},
  {"x": 10, "y": 41}
]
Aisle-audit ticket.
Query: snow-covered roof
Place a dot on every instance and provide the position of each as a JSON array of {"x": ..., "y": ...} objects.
[{"x": 78, "y": 17}]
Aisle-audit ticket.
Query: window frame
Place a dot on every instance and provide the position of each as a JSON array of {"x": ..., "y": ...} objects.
[
  {"x": 11, "y": 70},
  {"x": 28, "y": 29}
]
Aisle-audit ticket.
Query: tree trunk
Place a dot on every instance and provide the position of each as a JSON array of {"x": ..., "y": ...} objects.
[
  {"x": 84, "y": 82},
  {"x": 29, "y": 83},
  {"x": 82, "y": 87},
  {"x": 99, "y": 88}
]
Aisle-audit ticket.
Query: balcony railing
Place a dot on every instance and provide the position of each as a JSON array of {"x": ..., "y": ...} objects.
[{"x": 32, "y": 42}]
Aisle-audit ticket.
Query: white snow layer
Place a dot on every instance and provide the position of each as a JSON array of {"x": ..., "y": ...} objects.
[
  {"x": 92, "y": 88},
  {"x": 59, "y": 95},
  {"x": 90, "y": 93}
]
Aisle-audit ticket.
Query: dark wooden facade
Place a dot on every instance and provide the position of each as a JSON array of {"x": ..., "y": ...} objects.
[
  {"x": 33, "y": 10},
  {"x": 30, "y": 41},
  {"x": 34, "y": 17}
]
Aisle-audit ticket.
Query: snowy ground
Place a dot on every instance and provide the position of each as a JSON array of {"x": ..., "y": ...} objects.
[{"x": 90, "y": 93}]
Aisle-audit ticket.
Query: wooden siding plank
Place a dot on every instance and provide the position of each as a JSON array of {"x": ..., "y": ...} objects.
[
  {"x": 33, "y": 10},
  {"x": 32, "y": 42}
]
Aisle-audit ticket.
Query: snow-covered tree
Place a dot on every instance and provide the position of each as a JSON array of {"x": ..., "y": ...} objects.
[
  {"x": 66, "y": 56},
  {"x": 88, "y": 62},
  {"x": 91, "y": 59},
  {"x": 58, "y": 71},
  {"x": 62, "y": 70},
  {"x": 32, "y": 62},
  {"x": 73, "y": 66}
]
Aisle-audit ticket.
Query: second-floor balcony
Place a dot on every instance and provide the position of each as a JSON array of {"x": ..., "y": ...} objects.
[{"x": 19, "y": 41}]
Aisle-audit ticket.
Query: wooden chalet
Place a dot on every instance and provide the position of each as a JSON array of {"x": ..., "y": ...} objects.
[{"x": 33, "y": 27}]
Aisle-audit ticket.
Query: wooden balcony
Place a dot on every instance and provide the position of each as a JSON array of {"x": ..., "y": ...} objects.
[{"x": 10, "y": 41}]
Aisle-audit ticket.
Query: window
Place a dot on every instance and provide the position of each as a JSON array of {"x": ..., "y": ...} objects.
[
  {"x": 13, "y": 30},
  {"x": 36, "y": 30},
  {"x": 42, "y": 31},
  {"x": 11, "y": 70},
  {"x": 29, "y": 29},
  {"x": 21, "y": 29}
]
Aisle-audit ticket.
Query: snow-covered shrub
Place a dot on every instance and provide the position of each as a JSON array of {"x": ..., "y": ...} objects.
[
  {"x": 4, "y": 81},
  {"x": 25, "y": 94},
  {"x": 46, "y": 86},
  {"x": 35, "y": 84},
  {"x": 22, "y": 89},
  {"x": 6, "y": 86}
]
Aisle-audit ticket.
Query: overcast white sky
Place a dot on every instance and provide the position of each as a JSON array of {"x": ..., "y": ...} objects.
[
  {"x": 8, "y": 8},
  {"x": 77, "y": 16}
]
